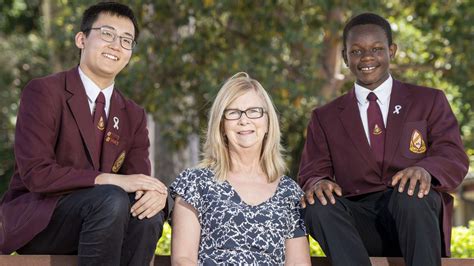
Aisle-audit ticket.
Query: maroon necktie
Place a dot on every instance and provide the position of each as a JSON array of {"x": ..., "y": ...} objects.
[
  {"x": 99, "y": 122},
  {"x": 376, "y": 128}
]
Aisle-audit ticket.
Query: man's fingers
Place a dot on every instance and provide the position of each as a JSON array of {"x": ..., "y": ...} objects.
[
  {"x": 156, "y": 204},
  {"x": 402, "y": 183},
  {"x": 152, "y": 205},
  {"x": 303, "y": 202},
  {"x": 338, "y": 190},
  {"x": 329, "y": 195},
  {"x": 412, "y": 186},
  {"x": 140, "y": 205},
  {"x": 150, "y": 183},
  {"x": 310, "y": 196},
  {"x": 138, "y": 194},
  {"x": 425, "y": 185},
  {"x": 320, "y": 195},
  {"x": 397, "y": 178}
]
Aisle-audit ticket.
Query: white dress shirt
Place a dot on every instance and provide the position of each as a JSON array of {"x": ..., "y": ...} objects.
[
  {"x": 383, "y": 99},
  {"x": 92, "y": 91}
]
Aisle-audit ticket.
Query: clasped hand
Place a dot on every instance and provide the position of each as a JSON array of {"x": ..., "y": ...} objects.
[
  {"x": 148, "y": 203},
  {"x": 150, "y": 193}
]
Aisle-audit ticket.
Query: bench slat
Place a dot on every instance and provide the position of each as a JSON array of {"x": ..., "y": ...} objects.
[{"x": 60, "y": 260}]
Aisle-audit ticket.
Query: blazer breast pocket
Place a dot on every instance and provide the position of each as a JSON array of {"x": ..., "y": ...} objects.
[{"x": 414, "y": 142}]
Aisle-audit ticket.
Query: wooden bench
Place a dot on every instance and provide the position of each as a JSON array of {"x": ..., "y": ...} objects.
[{"x": 48, "y": 260}]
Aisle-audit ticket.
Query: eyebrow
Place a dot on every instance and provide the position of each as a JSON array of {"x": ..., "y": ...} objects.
[
  {"x": 112, "y": 28},
  {"x": 375, "y": 43},
  {"x": 244, "y": 109}
]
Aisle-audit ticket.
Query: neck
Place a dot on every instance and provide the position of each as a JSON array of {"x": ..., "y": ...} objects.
[
  {"x": 245, "y": 162},
  {"x": 101, "y": 82}
]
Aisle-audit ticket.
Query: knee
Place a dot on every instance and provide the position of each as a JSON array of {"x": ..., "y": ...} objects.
[
  {"x": 150, "y": 227},
  {"x": 318, "y": 212},
  {"x": 113, "y": 201},
  {"x": 153, "y": 224},
  {"x": 413, "y": 205}
]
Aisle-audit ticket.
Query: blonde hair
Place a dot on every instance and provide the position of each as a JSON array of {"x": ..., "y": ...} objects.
[{"x": 216, "y": 153}]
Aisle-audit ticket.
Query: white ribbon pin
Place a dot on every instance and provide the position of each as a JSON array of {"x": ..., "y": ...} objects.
[
  {"x": 116, "y": 122},
  {"x": 397, "y": 109}
]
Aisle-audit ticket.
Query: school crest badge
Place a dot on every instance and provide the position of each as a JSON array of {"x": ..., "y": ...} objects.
[
  {"x": 118, "y": 163},
  {"x": 101, "y": 124},
  {"x": 417, "y": 144},
  {"x": 377, "y": 130}
]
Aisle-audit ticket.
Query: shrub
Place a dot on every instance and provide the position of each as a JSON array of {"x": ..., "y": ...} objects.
[
  {"x": 164, "y": 244},
  {"x": 462, "y": 241}
]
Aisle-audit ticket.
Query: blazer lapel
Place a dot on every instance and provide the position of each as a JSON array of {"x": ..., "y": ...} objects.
[
  {"x": 350, "y": 118},
  {"x": 397, "y": 113},
  {"x": 78, "y": 103},
  {"x": 113, "y": 138}
]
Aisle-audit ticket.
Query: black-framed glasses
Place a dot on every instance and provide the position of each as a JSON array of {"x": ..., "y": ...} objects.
[
  {"x": 252, "y": 113},
  {"x": 110, "y": 35}
]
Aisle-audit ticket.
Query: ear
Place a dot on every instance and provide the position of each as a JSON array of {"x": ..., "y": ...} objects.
[
  {"x": 80, "y": 39},
  {"x": 344, "y": 57},
  {"x": 392, "y": 50}
]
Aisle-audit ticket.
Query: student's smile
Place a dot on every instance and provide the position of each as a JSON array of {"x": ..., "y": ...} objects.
[
  {"x": 102, "y": 60},
  {"x": 368, "y": 55}
]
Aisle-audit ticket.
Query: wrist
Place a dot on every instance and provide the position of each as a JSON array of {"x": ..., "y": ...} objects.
[{"x": 102, "y": 179}]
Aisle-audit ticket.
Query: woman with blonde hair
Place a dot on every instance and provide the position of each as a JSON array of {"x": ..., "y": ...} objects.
[{"x": 238, "y": 207}]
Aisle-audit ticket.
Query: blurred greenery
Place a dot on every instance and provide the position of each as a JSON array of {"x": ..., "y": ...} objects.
[
  {"x": 188, "y": 48},
  {"x": 462, "y": 242}
]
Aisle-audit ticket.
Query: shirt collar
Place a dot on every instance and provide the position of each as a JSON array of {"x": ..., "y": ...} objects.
[
  {"x": 92, "y": 90},
  {"x": 382, "y": 92}
]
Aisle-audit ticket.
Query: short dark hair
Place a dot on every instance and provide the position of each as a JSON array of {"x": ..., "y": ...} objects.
[
  {"x": 92, "y": 13},
  {"x": 364, "y": 19}
]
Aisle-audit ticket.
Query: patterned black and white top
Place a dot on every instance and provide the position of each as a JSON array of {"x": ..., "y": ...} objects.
[{"x": 233, "y": 232}]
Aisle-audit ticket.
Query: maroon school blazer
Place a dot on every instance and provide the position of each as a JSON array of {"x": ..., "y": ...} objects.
[
  {"x": 337, "y": 148},
  {"x": 55, "y": 152}
]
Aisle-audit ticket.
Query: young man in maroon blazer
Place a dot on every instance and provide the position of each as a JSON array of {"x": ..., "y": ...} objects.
[
  {"x": 378, "y": 161},
  {"x": 81, "y": 183}
]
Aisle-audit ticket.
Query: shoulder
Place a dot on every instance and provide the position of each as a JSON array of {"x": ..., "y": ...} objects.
[
  {"x": 46, "y": 91},
  {"x": 196, "y": 175},
  {"x": 291, "y": 188},
  {"x": 332, "y": 105},
  {"x": 418, "y": 90},
  {"x": 191, "y": 183},
  {"x": 329, "y": 111},
  {"x": 202, "y": 172},
  {"x": 49, "y": 83},
  {"x": 128, "y": 103}
]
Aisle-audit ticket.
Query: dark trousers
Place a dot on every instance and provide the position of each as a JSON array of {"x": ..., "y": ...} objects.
[
  {"x": 381, "y": 224},
  {"x": 96, "y": 224}
]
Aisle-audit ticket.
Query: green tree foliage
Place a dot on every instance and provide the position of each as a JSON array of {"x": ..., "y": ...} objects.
[{"x": 188, "y": 48}]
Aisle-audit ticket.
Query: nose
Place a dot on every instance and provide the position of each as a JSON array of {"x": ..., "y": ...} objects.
[
  {"x": 115, "y": 44},
  {"x": 367, "y": 54},
  {"x": 243, "y": 120}
]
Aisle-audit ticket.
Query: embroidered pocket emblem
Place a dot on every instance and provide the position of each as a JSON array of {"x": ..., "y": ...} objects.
[
  {"x": 417, "y": 144},
  {"x": 377, "y": 130},
  {"x": 118, "y": 163}
]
